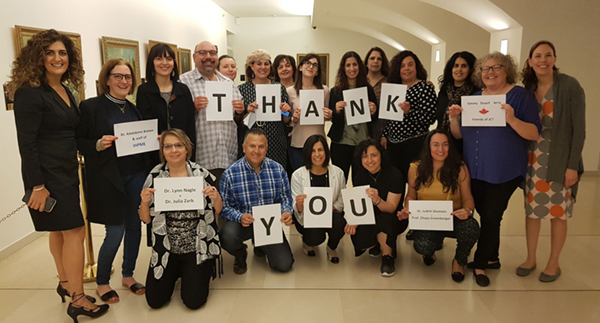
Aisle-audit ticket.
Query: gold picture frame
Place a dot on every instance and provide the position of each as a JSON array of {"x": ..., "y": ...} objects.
[
  {"x": 24, "y": 33},
  {"x": 184, "y": 61},
  {"x": 128, "y": 50},
  {"x": 152, "y": 43},
  {"x": 324, "y": 65}
]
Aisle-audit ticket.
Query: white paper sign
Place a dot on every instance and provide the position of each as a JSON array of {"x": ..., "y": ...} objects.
[
  {"x": 357, "y": 108},
  {"x": 136, "y": 137},
  {"x": 483, "y": 111},
  {"x": 219, "y": 97},
  {"x": 178, "y": 193},
  {"x": 318, "y": 207},
  {"x": 430, "y": 215},
  {"x": 267, "y": 225},
  {"x": 311, "y": 107},
  {"x": 250, "y": 120},
  {"x": 391, "y": 96},
  {"x": 358, "y": 207},
  {"x": 268, "y": 97}
]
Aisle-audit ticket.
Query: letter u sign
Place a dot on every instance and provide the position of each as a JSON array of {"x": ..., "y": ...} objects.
[{"x": 358, "y": 206}]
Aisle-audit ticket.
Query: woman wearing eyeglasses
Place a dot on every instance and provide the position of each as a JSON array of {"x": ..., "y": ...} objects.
[
  {"x": 186, "y": 243},
  {"x": 309, "y": 78},
  {"x": 164, "y": 98},
  {"x": 113, "y": 183},
  {"x": 496, "y": 156}
]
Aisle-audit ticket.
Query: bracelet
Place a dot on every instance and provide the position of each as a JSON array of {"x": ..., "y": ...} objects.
[
  {"x": 453, "y": 120},
  {"x": 39, "y": 188},
  {"x": 377, "y": 202}
]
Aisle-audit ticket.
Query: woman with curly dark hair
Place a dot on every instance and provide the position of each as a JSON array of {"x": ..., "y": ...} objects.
[
  {"x": 351, "y": 74},
  {"x": 46, "y": 116},
  {"x": 441, "y": 175}
]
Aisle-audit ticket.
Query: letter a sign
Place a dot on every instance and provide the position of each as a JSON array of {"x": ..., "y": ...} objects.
[
  {"x": 358, "y": 207},
  {"x": 267, "y": 225},
  {"x": 318, "y": 211}
]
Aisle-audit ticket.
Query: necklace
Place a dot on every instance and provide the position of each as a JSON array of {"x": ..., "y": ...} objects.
[
  {"x": 376, "y": 177},
  {"x": 122, "y": 108},
  {"x": 118, "y": 102}
]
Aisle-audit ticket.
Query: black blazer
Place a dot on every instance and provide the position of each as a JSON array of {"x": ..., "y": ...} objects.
[
  {"x": 338, "y": 120},
  {"x": 179, "y": 113},
  {"x": 105, "y": 192}
]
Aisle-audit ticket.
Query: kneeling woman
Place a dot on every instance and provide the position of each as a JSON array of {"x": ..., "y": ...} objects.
[
  {"x": 184, "y": 243},
  {"x": 318, "y": 173},
  {"x": 441, "y": 175},
  {"x": 386, "y": 191}
]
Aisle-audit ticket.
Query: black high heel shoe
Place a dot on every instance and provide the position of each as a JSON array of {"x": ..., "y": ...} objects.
[
  {"x": 62, "y": 292},
  {"x": 74, "y": 311}
]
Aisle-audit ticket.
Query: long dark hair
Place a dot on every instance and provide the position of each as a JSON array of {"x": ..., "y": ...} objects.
[
  {"x": 447, "y": 78},
  {"x": 317, "y": 82},
  {"x": 308, "y": 147},
  {"x": 362, "y": 148},
  {"x": 529, "y": 77},
  {"x": 278, "y": 60},
  {"x": 161, "y": 50},
  {"x": 397, "y": 62},
  {"x": 385, "y": 63},
  {"x": 448, "y": 174},
  {"x": 341, "y": 80}
]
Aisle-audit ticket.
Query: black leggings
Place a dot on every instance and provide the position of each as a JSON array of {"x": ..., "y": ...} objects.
[
  {"x": 315, "y": 236},
  {"x": 195, "y": 280},
  {"x": 342, "y": 156}
]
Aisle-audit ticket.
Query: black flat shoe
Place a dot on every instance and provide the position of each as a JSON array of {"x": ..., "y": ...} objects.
[
  {"x": 74, "y": 311},
  {"x": 428, "y": 261},
  {"x": 332, "y": 256},
  {"x": 62, "y": 292},
  {"x": 481, "y": 279},
  {"x": 410, "y": 235},
  {"x": 457, "y": 276},
  {"x": 493, "y": 265},
  {"x": 308, "y": 250}
]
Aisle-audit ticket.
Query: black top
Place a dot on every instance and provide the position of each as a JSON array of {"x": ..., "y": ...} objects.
[
  {"x": 178, "y": 113},
  {"x": 388, "y": 179},
  {"x": 319, "y": 180},
  {"x": 338, "y": 120}
]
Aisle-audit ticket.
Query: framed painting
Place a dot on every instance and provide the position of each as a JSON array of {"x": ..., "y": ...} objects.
[
  {"x": 9, "y": 103},
  {"x": 185, "y": 60},
  {"x": 24, "y": 34},
  {"x": 151, "y": 44},
  {"x": 323, "y": 64},
  {"x": 128, "y": 50}
]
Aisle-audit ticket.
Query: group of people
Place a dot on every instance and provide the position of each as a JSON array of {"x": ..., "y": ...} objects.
[{"x": 477, "y": 168}]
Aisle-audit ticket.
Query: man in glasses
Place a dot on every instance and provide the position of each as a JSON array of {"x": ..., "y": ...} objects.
[{"x": 216, "y": 141}]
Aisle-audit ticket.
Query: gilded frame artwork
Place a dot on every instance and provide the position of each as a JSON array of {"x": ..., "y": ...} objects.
[
  {"x": 24, "y": 33},
  {"x": 323, "y": 62},
  {"x": 184, "y": 61},
  {"x": 152, "y": 43},
  {"x": 125, "y": 49}
]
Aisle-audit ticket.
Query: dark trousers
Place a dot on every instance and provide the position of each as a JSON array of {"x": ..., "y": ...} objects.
[
  {"x": 195, "y": 280},
  {"x": 342, "y": 156},
  {"x": 233, "y": 235},
  {"x": 405, "y": 152},
  {"x": 366, "y": 235},
  {"x": 315, "y": 236},
  {"x": 491, "y": 201},
  {"x": 217, "y": 172},
  {"x": 466, "y": 232}
]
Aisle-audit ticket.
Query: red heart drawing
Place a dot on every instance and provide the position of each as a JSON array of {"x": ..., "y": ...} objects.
[{"x": 483, "y": 111}]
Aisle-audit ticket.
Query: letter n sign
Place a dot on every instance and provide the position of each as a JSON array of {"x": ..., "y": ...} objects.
[
  {"x": 267, "y": 225},
  {"x": 358, "y": 207},
  {"x": 318, "y": 207}
]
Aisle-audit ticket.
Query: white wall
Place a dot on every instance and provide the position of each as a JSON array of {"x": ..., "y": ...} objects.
[
  {"x": 437, "y": 68},
  {"x": 514, "y": 36},
  {"x": 184, "y": 23},
  {"x": 293, "y": 35}
]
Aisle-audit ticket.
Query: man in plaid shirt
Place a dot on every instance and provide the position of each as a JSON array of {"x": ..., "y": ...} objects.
[
  {"x": 216, "y": 141},
  {"x": 254, "y": 180}
]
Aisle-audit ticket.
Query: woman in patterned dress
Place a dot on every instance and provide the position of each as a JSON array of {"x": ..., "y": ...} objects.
[
  {"x": 184, "y": 243},
  {"x": 555, "y": 162},
  {"x": 260, "y": 71}
]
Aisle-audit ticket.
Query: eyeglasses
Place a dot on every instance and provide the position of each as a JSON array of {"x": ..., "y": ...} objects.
[
  {"x": 309, "y": 64},
  {"x": 205, "y": 52},
  {"x": 496, "y": 68},
  {"x": 178, "y": 146},
  {"x": 119, "y": 77}
]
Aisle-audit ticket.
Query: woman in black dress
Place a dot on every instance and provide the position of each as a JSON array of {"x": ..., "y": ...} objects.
[{"x": 46, "y": 115}]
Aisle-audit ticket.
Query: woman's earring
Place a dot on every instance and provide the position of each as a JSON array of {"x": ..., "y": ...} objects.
[{"x": 173, "y": 73}]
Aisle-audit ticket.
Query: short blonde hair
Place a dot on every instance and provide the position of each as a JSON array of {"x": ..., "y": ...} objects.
[
  {"x": 507, "y": 61},
  {"x": 256, "y": 56},
  {"x": 179, "y": 134},
  {"x": 105, "y": 74}
]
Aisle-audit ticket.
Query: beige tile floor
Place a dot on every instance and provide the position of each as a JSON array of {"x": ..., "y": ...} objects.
[{"x": 352, "y": 291}]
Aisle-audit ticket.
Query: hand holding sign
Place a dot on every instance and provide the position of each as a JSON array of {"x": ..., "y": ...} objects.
[
  {"x": 136, "y": 137},
  {"x": 483, "y": 111},
  {"x": 267, "y": 227},
  {"x": 219, "y": 107},
  {"x": 106, "y": 141},
  {"x": 358, "y": 102},
  {"x": 311, "y": 102},
  {"x": 268, "y": 97},
  {"x": 430, "y": 215},
  {"x": 318, "y": 212},
  {"x": 179, "y": 193},
  {"x": 357, "y": 206}
]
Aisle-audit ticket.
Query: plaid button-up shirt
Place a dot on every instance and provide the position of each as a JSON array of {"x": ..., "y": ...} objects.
[
  {"x": 242, "y": 188},
  {"x": 216, "y": 141}
]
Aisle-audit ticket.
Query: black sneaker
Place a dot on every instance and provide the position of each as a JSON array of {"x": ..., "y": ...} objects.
[
  {"x": 375, "y": 251},
  {"x": 239, "y": 264},
  {"x": 388, "y": 268},
  {"x": 410, "y": 235}
]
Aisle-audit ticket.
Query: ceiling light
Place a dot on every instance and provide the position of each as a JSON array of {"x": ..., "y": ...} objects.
[
  {"x": 498, "y": 25},
  {"x": 298, "y": 7}
]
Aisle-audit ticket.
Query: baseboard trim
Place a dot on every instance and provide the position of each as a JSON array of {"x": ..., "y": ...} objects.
[{"x": 20, "y": 244}]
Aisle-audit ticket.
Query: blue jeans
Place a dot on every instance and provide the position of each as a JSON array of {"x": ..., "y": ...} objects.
[
  {"x": 131, "y": 229},
  {"x": 296, "y": 157},
  {"x": 233, "y": 235}
]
